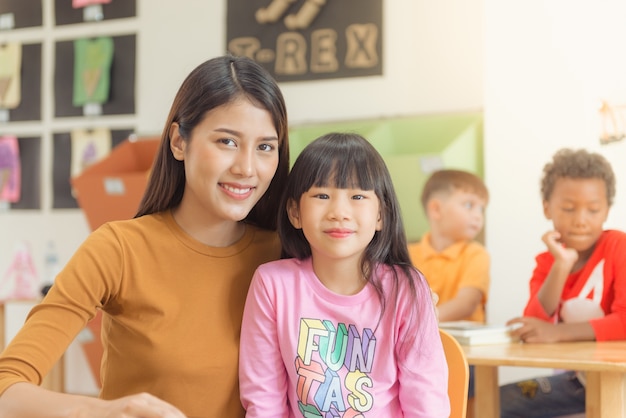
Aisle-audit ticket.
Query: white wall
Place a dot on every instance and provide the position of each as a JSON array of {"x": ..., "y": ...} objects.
[
  {"x": 431, "y": 49},
  {"x": 547, "y": 66}
]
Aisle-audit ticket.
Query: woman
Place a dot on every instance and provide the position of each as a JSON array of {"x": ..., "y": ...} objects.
[{"x": 172, "y": 281}]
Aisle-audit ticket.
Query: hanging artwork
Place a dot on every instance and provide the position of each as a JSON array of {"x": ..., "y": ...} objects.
[
  {"x": 10, "y": 169},
  {"x": 69, "y": 12},
  {"x": 613, "y": 122},
  {"x": 88, "y": 146},
  {"x": 10, "y": 68},
  {"x": 308, "y": 39},
  {"x": 20, "y": 280},
  {"x": 92, "y": 70},
  {"x": 70, "y": 79}
]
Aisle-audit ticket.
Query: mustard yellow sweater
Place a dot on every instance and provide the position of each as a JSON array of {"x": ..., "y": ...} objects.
[{"x": 172, "y": 314}]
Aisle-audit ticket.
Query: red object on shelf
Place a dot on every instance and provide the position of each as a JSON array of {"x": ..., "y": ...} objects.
[{"x": 112, "y": 188}]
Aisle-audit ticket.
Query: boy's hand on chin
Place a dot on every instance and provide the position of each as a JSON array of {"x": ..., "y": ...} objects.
[{"x": 552, "y": 239}]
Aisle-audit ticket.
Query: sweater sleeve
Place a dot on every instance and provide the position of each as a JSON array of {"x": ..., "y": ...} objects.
[
  {"x": 262, "y": 376},
  {"x": 422, "y": 366},
  {"x": 613, "y": 325},
  {"x": 72, "y": 301}
]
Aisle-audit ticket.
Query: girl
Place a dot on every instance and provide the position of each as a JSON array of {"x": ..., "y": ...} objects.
[
  {"x": 171, "y": 282},
  {"x": 346, "y": 326}
]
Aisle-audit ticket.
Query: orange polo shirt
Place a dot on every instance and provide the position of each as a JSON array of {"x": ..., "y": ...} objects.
[{"x": 463, "y": 264}]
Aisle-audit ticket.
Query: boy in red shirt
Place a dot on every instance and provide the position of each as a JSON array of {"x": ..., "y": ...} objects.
[{"x": 577, "y": 291}]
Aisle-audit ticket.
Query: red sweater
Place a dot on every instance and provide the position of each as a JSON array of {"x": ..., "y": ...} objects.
[{"x": 610, "y": 248}]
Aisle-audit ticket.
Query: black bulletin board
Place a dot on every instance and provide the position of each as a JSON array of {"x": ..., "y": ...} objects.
[
  {"x": 30, "y": 104},
  {"x": 65, "y": 14},
  {"x": 338, "y": 39},
  {"x": 26, "y": 13},
  {"x": 122, "y": 95},
  {"x": 30, "y": 159},
  {"x": 62, "y": 164}
]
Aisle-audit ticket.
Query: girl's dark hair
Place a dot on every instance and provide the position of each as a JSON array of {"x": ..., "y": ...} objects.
[
  {"x": 577, "y": 164},
  {"x": 347, "y": 160},
  {"x": 217, "y": 82}
]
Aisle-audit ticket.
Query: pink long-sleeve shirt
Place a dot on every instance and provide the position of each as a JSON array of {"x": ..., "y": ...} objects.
[{"x": 307, "y": 351}]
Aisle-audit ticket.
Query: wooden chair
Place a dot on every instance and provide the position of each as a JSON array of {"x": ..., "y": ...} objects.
[{"x": 458, "y": 375}]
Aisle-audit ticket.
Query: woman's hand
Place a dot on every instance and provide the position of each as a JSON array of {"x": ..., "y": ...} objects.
[
  {"x": 17, "y": 401},
  {"x": 142, "y": 405}
]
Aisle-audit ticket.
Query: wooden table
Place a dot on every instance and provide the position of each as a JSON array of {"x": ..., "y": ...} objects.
[{"x": 604, "y": 362}]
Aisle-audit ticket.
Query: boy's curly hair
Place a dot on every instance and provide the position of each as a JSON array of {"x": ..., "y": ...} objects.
[{"x": 577, "y": 164}]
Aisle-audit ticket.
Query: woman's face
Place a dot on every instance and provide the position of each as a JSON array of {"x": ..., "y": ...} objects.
[{"x": 230, "y": 160}]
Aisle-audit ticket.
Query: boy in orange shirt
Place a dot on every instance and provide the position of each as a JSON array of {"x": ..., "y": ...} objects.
[{"x": 454, "y": 264}]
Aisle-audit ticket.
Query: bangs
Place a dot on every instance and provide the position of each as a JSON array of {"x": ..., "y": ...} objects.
[{"x": 344, "y": 170}]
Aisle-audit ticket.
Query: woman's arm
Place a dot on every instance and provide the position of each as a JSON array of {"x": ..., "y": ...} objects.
[
  {"x": 26, "y": 400},
  {"x": 87, "y": 280}
]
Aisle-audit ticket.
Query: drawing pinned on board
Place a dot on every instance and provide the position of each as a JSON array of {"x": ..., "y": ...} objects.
[
  {"x": 10, "y": 170},
  {"x": 20, "y": 280},
  {"x": 92, "y": 70},
  {"x": 89, "y": 147},
  {"x": 10, "y": 70}
]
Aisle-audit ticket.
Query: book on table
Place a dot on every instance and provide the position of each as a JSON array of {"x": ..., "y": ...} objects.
[{"x": 476, "y": 333}]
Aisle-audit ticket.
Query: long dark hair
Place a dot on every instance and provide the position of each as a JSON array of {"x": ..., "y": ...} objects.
[
  {"x": 214, "y": 83},
  {"x": 347, "y": 160}
]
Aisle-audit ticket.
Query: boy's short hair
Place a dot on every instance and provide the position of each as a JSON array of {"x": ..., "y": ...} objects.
[
  {"x": 448, "y": 180},
  {"x": 577, "y": 164}
]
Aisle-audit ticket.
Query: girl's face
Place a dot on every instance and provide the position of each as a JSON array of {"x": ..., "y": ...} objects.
[
  {"x": 338, "y": 223},
  {"x": 578, "y": 209},
  {"x": 230, "y": 160}
]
